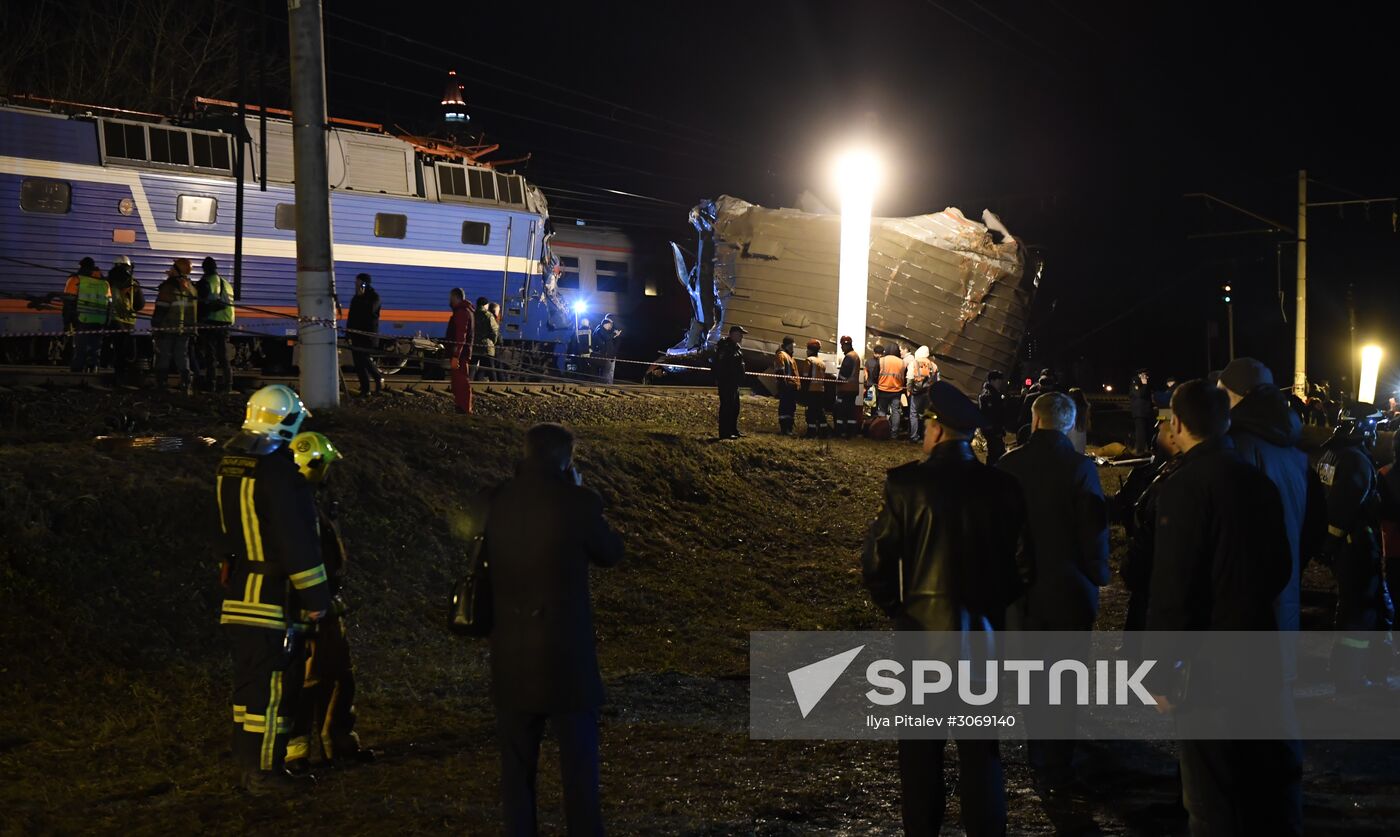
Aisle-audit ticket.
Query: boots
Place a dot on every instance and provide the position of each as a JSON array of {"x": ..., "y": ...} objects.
[{"x": 276, "y": 782}]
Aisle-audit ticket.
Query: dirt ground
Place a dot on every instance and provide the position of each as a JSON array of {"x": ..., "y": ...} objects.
[{"x": 113, "y": 672}]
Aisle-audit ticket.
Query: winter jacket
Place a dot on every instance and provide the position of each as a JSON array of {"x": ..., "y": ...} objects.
[
  {"x": 604, "y": 341},
  {"x": 543, "y": 651},
  {"x": 952, "y": 526},
  {"x": 920, "y": 372},
  {"x": 1137, "y": 509},
  {"x": 848, "y": 376},
  {"x": 126, "y": 294},
  {"x": 175, "y": 305},
  {"x": 1266, "y": 431},
  {"x": 729, "y": 363},
  {"x": 1221, "y": 556},
  {"x": 992, "y": 402},
  {"x": 215, "y": 299},
  {"x": 459, "y": 330},
  {"x": 784, "y": 365},
  {"x": 488, "y": 333},
  {"x": 1067, "y": 528},
  {"x": 364, "y": 314}
]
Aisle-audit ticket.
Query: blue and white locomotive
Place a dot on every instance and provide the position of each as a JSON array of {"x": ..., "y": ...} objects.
[{"x": 105, "y": 184}]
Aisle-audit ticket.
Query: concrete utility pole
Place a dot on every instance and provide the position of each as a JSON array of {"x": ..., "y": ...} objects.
[
  {"x": 1300, "y": 340},
  {"x": 318, "y": 359}
]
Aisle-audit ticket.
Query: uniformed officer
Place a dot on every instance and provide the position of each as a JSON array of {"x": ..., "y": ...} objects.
[
  {"x": 785, "y": 367},
  {"x": 729, "y": 373},
  {"x": 1353, "y": 549},
  {"x": 275, "y": 585},
  {"x": 326, "y": 712},
  {"x": 847, "y": 390},
  {"x": 942, "y": 555}
]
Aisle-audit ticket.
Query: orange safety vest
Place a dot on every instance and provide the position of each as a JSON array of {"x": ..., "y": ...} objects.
[{"x": 891, "y": 374}]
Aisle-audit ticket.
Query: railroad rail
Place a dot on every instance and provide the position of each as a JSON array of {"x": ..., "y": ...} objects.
[{"x": 21, "y": 378}]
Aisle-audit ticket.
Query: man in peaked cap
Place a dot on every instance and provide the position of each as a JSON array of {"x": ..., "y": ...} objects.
[{"x": 944, "y": 555}]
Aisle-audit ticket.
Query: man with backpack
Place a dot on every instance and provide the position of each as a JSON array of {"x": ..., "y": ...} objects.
[{"x": 922, "y": 373}]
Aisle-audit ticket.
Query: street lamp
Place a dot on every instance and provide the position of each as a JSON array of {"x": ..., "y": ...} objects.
[
  {"x": 857, "y": 172},
  {"x": 1370, "y": 370}
]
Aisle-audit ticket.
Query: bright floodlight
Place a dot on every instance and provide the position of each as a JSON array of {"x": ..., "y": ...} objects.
[
  {"x": 857, "y": 174},
  {"x": 580, "y": 306},
  {"x": 1370, "y": 370}
]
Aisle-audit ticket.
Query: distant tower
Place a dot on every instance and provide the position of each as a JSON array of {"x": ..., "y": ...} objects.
[{"x": 454, "y": 107}]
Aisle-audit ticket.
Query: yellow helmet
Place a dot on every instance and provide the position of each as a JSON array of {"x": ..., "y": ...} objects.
[
  {"x": 314, "y": 454},
  {"x": 275, "y": 411}
]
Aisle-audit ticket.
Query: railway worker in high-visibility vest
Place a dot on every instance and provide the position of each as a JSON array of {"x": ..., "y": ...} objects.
[
  {"x": 460, "y": 328},
  {"x": 216, "y": 316},
  {"x": 275, "y": 584},
  {"x": 889, "y": 386},
  {"x": 785, "y": 367},
  {"x": 325, "y": 716},
  {"x": 92, "y": 311}
]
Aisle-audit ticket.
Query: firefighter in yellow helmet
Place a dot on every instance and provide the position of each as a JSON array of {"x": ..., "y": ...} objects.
[
  {"x": 275, "y": 585},
  {"x": 326, "y": 713}
]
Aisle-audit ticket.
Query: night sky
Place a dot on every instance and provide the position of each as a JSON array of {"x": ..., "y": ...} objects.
[{"x": 1082, "y": 125}]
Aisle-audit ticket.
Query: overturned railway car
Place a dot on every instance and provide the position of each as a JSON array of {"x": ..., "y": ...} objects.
[
  {"x": 960, "y": 287},
  {"x": 103, "y": 184}
]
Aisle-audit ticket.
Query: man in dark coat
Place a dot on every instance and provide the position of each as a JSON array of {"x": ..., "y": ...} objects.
[
  {"x": 1221, "y": 559},
  {"x": 1067, "y": 525},
  {"x": 362, "y": 324},
  {"x": 605, "y": 341},
  {"x": 1143, "y": 411},
  {"x": 993, "y": 405},
  {"x": 1266, "y": 432},
  {"x": 1135, "y": 506},
  {"x": 729, "y": 373},
  {"x": 944, "y": 555},
  {"x": 544, "y": 661}
]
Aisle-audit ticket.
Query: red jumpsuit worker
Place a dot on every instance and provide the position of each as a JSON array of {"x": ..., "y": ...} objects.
[{"x": 459, "y": 349}]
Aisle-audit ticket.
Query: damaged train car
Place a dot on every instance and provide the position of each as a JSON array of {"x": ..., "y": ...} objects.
[{"x": 961, "y": 288}]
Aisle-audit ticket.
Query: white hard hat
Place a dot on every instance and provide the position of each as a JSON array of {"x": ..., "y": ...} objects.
[
  {"x": 126, "y": 260},
  {"x": 275, "y": 411}
]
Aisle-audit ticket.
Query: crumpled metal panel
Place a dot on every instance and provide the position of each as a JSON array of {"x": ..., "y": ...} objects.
[{"x": 941, "y": 280}]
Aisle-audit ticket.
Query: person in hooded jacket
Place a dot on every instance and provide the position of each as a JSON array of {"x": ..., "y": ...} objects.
[
  {"x": 459, "y": 348},
  {"x": 488, "y": 334},
  {"x": 1266, "y": 432}
]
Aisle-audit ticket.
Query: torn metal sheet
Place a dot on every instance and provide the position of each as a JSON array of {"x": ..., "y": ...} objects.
[{"x": 960, "y": 287}]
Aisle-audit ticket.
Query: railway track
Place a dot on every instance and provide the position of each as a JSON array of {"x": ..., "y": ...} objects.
[{"x": 16, "y": 378}]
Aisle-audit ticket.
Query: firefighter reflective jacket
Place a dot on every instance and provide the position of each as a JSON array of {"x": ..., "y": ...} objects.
[
  {"x": 94, "y": 300},
  {"x": 269, "y": 523}
]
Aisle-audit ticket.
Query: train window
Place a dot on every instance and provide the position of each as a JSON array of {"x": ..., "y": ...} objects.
[
  {"x": 452, "y": 180},
  {"x": 196, "y": 209},
  {"x": 53, "y": 197},
  {"x": 509, "y": 188},
  {"x": 126, "y": 141},
  {"x": 285, "y": 217},
  {"x": 475, "y": 232},
  {"x": 388, "y": 225},
  {"x": 612, "y": 277},
  {"x": 569, "y": 279},
  {"x": 211, "y": 151},
  {"x": 170, "y": 146},
  {"x": 483, "y": 184}
]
